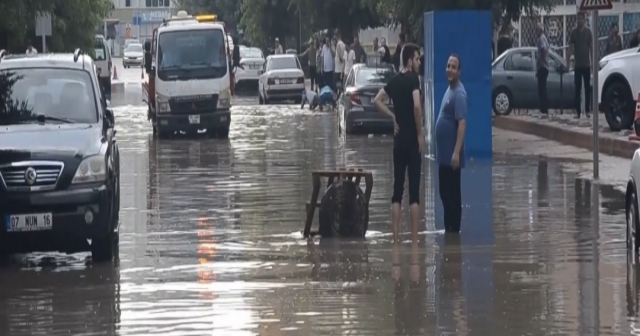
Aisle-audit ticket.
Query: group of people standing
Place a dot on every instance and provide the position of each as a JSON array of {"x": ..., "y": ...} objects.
[{"x": 331, "y": 61}]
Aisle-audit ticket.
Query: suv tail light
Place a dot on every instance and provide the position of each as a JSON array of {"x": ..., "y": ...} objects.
[
  {"x": 271, "y": 81},
  {"x": 355, "y": 98},
  {"x": 301, "y": 80}
]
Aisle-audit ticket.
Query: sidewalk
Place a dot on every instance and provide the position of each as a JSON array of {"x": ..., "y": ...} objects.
[{"x": 564, "y": 128}]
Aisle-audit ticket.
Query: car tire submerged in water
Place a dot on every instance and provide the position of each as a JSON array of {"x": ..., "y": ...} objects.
[
  {"x": 104, "y": 247},
  {"x": 502, "y": 101},
  {"x": 618, "y": 106},
  {"x": 632, "y": 223}
]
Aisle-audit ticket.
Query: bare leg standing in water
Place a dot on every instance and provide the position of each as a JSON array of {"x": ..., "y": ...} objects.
[{"x": 408, "y": 142}]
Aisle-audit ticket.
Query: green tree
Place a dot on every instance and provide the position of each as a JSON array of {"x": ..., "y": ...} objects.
[
  {"x": 348, "y": 16},
  {"x": 227, "y": 11},
  {"x": 264, "y": 20},
  {"x": 73, "y": 21},
  {"x": 409, "y": 14}
]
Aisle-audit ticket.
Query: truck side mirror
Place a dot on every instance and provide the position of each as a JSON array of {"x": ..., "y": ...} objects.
[{"x": 147, "y": 57}]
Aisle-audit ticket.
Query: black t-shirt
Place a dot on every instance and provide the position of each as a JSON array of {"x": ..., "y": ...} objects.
[{"x": 400, "y": 89}]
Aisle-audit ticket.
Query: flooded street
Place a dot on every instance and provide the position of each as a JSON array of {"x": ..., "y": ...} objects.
[{"x": 210, "y": 244}]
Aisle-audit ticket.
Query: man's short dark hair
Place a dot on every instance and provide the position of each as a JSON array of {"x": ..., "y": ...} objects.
[
  {"x": 458, "y": 58},
  {"x": 409, "y": 50}
]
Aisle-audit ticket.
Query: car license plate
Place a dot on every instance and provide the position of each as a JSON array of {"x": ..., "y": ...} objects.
[
  {"x": 255, "y": 66},
  {"x": 31, "y": 222},
  {"x": 194, "y": 119},
  {"x": 286, "y": 81}
]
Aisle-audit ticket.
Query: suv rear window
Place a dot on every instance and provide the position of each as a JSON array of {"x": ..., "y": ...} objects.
[
  {"x": 57, "y": 93},
  {"x": 100, "y": 50}
]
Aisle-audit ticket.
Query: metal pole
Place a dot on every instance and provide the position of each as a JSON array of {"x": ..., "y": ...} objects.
[
  {"x": 594, "y": 97},
  {"x": 44, "y": 44}
]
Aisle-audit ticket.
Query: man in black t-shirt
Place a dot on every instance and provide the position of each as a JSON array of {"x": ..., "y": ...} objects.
[{"x": 408, "y": 141}]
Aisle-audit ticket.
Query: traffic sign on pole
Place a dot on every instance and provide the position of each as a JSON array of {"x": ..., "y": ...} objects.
[{"x": 589, "y": 5}]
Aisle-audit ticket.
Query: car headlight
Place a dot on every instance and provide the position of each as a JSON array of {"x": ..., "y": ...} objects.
[
  {"x": 224, "y": 99},
  {"x": 602, "y": 64},
  {"x": 162, "y": 103},
  {"x": 91, "y": 169}
]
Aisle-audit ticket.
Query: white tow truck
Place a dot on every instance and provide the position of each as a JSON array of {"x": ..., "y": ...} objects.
[{"x": 189, "y": 81}]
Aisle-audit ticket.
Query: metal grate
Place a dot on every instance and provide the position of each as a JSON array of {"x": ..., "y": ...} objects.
[
  {"x": 191, "y": 105},
  {"x": 31, "y": 175}
]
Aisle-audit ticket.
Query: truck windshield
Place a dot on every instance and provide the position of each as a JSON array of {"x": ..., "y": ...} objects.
[
  {"x": 62, "y": 95},
  {"x": 192, "y": 54}
]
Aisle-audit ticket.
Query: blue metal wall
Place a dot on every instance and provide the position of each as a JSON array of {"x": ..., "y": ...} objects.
[{"x": 467, "y": 34}]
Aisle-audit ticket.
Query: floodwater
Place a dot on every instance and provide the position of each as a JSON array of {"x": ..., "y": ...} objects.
[{"x": 210, "y": 245}]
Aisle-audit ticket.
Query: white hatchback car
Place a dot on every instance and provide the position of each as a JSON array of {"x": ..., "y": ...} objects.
[
  {"x": 252, "y": 60},
  {"x": 282, "y": 78},
  {"x": 632, "y": 206}
]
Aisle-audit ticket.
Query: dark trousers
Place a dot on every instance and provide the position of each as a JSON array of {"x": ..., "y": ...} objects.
[
  {"x": 582, "y": 75},
  {"x": 451, "y": 197},
  {"x": 327, "y": 77},
  {"x": 312, "y": 75},
  {"x": 406, "y": 160},
  {"x": 542, "y": 76}
]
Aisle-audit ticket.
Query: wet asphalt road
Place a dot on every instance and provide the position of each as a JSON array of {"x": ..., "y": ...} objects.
[{"x": 210, "y": 244}]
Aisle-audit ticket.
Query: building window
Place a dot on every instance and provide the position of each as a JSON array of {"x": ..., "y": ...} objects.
[
  {"x": 148, "y": 3},
  {"x": 167, "y": 3},
  {"x": 127, "y": 3},
  {"x": 154, "y": 3}
]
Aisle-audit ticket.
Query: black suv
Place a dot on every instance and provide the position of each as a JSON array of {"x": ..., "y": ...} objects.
[{"x": 59, "y": 162}]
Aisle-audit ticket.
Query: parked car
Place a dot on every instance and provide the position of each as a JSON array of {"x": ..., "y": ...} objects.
[
  {"x": 281, "y": 79},
  {"x": 515, "y": 85},
  {"x": 619, "y": 83},
  {"x": 133, "y": 55},
  {"x": 632, "y": 205},
  {"x": 356, "y": 109},
  {"x": 59, "y": 161},
  {"x": 252, "y": 60}
]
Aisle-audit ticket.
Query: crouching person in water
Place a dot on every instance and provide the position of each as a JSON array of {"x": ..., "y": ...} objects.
[
  {"x": 311, "y": 98},
  {"x": 408, "y": 140},
  {"x": 328, "y": 97}
]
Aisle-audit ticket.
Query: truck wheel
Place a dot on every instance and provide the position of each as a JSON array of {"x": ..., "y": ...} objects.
[{"x": 107, "y": 88}]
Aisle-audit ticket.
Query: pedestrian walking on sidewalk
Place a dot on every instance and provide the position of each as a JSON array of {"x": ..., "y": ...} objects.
[
  {"x": 580, "y": 47},
  {"x": 450, "y": 130},
  {"x": 408, "y": 140},
  {"x": 31, "y": 50},
  {"x": 542, "y": 72}
]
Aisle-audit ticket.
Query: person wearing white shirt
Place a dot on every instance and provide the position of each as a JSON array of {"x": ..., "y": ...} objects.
[
  {"x": 328, "y": 65},
  {"x": 31, "y": 50},
  {"x": 339, "y": 58},
  {"x": 349, "y": 59},
  {"x": 278, "y": 47}
]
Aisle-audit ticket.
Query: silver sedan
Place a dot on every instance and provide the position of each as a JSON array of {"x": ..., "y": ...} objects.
[{"x": 515, "y": 85}]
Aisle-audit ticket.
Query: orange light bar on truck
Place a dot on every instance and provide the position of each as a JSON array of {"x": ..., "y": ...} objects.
[{"x": 207, "y": 18}]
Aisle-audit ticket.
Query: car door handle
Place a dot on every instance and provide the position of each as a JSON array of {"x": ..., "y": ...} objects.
[{"x": 509, "y": 77}]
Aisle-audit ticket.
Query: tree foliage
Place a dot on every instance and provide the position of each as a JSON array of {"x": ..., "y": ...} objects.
[
  {"x": 73, "y": 21},
  {"x": 409, "y": 14},
  {"x": 226, "y": 10}
]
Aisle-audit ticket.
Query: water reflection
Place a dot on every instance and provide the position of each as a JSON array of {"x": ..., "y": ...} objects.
[
  {"x": 211, "y": 245},
  {"x": 59, "y": 301}
]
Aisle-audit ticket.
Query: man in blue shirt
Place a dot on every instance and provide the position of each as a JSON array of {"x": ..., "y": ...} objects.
[{"x": 450, "y": 129}]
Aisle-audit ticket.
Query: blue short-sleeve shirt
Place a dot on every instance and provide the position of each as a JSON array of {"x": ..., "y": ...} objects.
[{"x": 452, "y": 109}]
